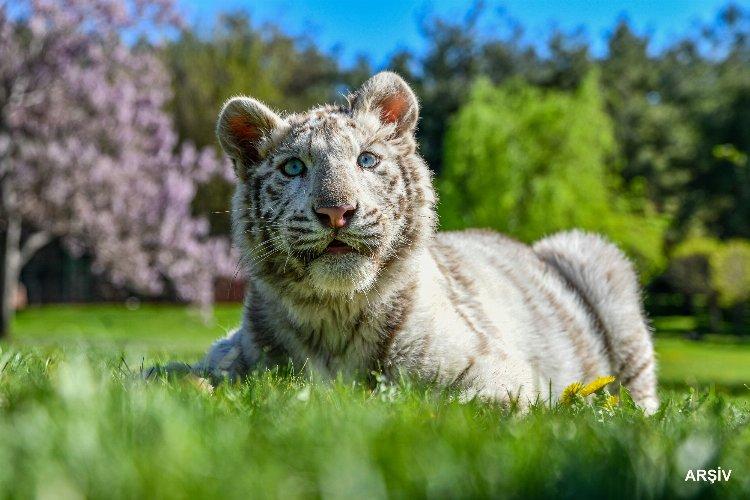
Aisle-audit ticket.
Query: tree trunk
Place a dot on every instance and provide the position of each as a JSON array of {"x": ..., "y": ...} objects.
[
  {"x": 11, "y": 264},
  {"x": 13, "y": 256},
  {"x": 4, "y": 320},
  {"x": 714, "y": 314}
]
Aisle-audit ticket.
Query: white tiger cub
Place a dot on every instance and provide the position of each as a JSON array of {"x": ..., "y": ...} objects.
[{"x": 334, "y": 212}]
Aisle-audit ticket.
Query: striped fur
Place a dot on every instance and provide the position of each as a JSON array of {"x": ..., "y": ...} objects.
[{"x": 472, "y": 309}]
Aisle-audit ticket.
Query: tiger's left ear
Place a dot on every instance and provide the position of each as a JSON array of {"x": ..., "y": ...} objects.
[
  {"x": 244, "y": 129},
  {"x": 388, "y": 95}
]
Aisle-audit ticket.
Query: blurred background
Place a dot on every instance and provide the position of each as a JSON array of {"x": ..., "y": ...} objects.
[{"x": 627, "y": 118}]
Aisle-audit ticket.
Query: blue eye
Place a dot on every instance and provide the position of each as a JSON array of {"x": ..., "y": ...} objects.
[
  {"x": 367, "y": 160},
  {"x": 293, "y": 167}
]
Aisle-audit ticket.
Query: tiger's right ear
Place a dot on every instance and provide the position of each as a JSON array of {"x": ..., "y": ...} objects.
[{"x": 244, "y": 129}]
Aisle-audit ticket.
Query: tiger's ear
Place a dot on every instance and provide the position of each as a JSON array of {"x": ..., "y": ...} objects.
[
  {"x": 388, "y": 95},
  {"x": 244, "y": 130}
]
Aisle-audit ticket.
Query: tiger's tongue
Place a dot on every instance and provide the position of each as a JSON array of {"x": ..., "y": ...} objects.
[{"x": 338, "y": 247}]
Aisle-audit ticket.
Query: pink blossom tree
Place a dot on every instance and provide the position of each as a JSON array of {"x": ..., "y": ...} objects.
[{"x": 88, "y": 154}]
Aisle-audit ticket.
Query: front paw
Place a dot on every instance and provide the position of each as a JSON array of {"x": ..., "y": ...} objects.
[{"x": 223, "y": 362}]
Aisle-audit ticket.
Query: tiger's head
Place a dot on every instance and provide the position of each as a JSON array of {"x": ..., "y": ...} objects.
[{"x": 332, "y": 197}]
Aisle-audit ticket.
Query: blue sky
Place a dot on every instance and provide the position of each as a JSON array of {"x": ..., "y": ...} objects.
[{"x": 378, "y": 28}]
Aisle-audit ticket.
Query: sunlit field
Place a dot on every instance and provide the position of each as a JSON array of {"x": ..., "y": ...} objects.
[
  {"x": 152, "y": 332},
  {"x": 77, "y": 421},
  {"x": 126, "y": 125}
]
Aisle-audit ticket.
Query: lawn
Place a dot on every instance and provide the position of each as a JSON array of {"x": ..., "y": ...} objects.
[
  {"x": 75, "y": 422},
  {"x": 147, "y": 327},
  {"x": 165, "y": 331}
]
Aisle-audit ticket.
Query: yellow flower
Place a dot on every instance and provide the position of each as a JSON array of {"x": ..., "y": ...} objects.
[
  {"x": 570, "y": 392},
  {"x": 597, "y": 385},
  {"x": 611, "y": 402}
]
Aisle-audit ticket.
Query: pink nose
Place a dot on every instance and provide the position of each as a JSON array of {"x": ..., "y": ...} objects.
[{"x": 335, "y": 217}]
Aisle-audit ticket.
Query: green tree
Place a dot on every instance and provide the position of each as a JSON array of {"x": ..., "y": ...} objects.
[
  {"x": 237, "y": 57},
  {"x": 713, "y": 275},
  {"x": 707, "y": 76},
  {"x": 655, "y": 139},
  {"x": 480, "y": 44},
  {"x": 529, "y": 161}
]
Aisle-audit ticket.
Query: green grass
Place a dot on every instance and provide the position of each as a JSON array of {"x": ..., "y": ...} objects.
[
  {"x": 176, "y": 331},
  {"x": 685, "y": 362},
  {"x": 149, "y": 326},
  {"x": 75, "y": 422}
]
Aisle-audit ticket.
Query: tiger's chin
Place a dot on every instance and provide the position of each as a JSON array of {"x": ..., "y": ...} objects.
[{"x": 342, "y": 273}]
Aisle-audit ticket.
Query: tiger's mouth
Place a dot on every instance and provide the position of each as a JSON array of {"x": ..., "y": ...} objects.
[{"x": 338, "y": 247}]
